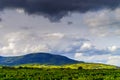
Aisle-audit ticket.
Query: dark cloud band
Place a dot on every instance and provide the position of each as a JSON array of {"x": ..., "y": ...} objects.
[{"x": 56, "y": 9}]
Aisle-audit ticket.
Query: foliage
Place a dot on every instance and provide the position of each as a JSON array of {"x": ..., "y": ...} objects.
[
  {"x": 90, "y": 66},
  {"x": 58, "y": 74},
  {"x": 72, "y": 66},
  {"x": 81, "y": 71}
]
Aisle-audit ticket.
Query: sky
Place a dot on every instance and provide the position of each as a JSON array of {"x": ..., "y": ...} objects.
[{"x": 84, "y": 30}]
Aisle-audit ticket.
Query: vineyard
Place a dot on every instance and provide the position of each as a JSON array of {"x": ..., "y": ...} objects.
[{"x": 58, "y": 74}]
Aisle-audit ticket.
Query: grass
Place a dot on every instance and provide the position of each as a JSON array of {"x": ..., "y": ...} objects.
[
  {"x": 81, "y": 71},
  {"x": 59, "y": 74}
]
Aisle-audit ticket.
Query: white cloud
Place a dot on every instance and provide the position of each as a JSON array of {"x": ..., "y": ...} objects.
[
  {"x": 55, "y": 35},
  {"x": 117, "y": 13},
  {"x": 104, "y": 22},
  {"x": 114, "y": 60},
  {"x": 86, "y": 45},
  {"x": 93, "y": 58},
  {"x": 37, "y": 48},
  {"x": 99, "y": 19},
  {"x": 19, "y": 43},
  {"x": 104, "y": 58},
  {"x": 113, "y": 48},
  {"x": 20, "y": 10},
  {"x": 78, "y": 55},
  {"x": 6, "y": 50}
]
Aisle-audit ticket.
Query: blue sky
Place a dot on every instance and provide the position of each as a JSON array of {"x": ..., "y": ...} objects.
[{"x": 91, "y": 35}]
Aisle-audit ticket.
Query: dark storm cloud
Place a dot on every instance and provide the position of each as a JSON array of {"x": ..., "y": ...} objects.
[{"x": 56, "y": 9}]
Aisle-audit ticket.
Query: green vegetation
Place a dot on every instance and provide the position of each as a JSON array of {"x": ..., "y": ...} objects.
[
  {"x": 82, "y": 71},
  {"x": 59, "y": 74},
  {"x": 71, "y": 66},
  {"x": 90, "y": 66}
]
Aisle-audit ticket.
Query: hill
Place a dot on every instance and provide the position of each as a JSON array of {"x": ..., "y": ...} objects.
[
  {"x": 90, "y": 66},
  {"x": 71, "y": 66},
  {"x": 38, "y": 58}
]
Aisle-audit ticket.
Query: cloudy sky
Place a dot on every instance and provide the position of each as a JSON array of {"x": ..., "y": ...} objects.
[{"x": 85, "y": 30}]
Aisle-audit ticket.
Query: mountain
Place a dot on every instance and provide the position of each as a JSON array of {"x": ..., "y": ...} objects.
[{"x": 39, "y": 58}]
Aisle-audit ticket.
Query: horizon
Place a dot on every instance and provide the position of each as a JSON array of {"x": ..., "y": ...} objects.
[{"x": 81, "y": 30}]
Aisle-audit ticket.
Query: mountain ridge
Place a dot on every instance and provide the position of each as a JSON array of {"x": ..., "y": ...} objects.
[{"x": 40, "y": 58}]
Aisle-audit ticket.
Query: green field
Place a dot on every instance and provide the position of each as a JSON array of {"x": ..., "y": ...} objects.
[
  {"x": 59, "y": 74},
  {"x": 71, "y": 66},
  {"x": 81, "y": 71}
]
